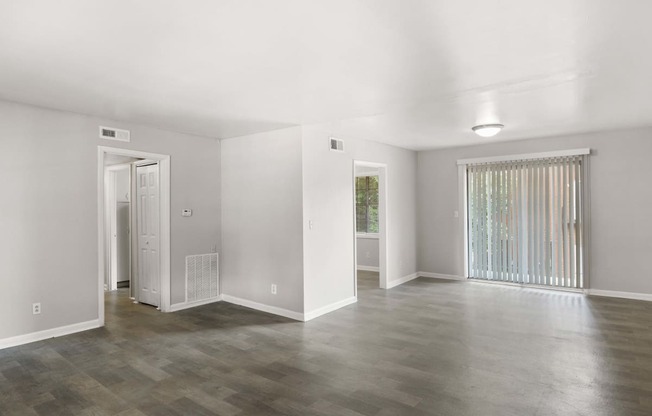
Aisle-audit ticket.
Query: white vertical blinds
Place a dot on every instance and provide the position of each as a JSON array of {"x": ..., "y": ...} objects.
[{"x": 525, "y": 221}]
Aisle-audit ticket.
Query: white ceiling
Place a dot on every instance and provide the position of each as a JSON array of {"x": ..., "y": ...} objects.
[{"x": 413, "y": 73}]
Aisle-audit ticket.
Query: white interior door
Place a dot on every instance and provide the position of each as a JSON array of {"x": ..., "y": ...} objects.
[{"x": 149, "y": 278}]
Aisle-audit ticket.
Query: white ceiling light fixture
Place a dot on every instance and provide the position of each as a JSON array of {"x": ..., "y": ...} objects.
[{"x": 487, "y": 130}]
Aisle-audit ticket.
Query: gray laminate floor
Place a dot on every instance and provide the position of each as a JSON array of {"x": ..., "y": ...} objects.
[{"x": 428, "y": 347}]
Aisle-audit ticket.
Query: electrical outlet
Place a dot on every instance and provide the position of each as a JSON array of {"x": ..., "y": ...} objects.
[
  {"x": 36, "y": 308},
  {"x": 213, "y": 249},
  {"x": 273, "y": 289}
]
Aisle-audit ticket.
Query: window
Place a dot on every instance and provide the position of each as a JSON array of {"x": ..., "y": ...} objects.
[
  {"x": 366, "y": 204},
  {"x": 525, "y": 221}
]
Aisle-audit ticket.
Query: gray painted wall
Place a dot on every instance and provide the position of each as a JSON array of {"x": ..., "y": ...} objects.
[
  {"x": 621, "y": 197},
  {"x": 328, "y": 202},
  {"x": 368, "y": 251},
  {"x": 48, "y": 226},
  {"x": 261, "y": 217}
]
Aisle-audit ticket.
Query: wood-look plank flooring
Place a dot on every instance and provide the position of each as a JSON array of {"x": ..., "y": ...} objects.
[{"x": 428, "y": 347}]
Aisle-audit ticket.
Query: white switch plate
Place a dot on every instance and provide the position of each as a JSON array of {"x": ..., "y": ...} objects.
[
  {"x": 456, "y": 214},
  {"x": 273, "y": 289}
]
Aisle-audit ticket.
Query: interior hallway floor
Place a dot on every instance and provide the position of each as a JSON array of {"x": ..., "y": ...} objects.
[{"x": 427, "y": 347}]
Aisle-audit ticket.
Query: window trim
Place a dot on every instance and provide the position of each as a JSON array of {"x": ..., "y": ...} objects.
[
  {"x": 525, "y": 156},
  {"x": 369, "y": 236}
]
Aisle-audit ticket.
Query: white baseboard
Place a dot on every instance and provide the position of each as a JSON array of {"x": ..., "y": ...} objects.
[
  {"x": 616, "y": 294},
  {"x": 441, "y": 276},
  {"x": 48, "y": 333},
  {"x": 401, "y": 280},
  {"x": 589, "y": 292},
  {"x": 368, "y": 268},
  {"x": 329, "y": 308},
  {"x": 187, "y": 305},
  {"x": 262, "y": 307}
]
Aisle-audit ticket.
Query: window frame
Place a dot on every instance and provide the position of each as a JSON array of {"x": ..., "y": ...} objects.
[
  {"x": 463, "y": 208},
  {"x": 367, "y": 234}
]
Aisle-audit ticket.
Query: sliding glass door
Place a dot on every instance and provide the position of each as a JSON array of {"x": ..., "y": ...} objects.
[{"x": 525, "y": 222}]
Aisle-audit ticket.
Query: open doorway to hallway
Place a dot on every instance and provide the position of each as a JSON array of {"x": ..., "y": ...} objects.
[
  {"x": 134, "y": 228},
  {"x": 370, "y": 199},
  {"x": 132, "y": 203},
  {"x": 117, "y": 222}
]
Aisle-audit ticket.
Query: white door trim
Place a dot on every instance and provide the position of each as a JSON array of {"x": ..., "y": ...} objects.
[
  {"x": 164, "y": 172},
  {"x": 383, "y": 225}
]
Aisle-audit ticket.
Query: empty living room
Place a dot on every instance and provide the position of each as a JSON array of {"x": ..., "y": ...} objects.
[{"x": 359, "y": 208}]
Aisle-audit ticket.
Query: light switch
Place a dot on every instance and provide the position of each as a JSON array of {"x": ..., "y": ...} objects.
[{"x": 186, "y": 213}]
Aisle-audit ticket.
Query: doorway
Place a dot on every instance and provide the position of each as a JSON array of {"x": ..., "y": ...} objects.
[
  {"x": 118, "y": 223},
  {"x": 370, "y": 225},
  {"x": 136, "y": 186}
]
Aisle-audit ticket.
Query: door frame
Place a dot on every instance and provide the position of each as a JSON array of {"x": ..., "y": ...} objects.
[
  {"x": 462, "y": 203},
  {"x": 383, "y": 225},
  {"x": 164, "y": 261}
]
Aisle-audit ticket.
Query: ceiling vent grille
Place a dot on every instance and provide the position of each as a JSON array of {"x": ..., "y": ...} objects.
[
  {"x": 336, "y": 145},
  {"x": 111, "y": 133}
]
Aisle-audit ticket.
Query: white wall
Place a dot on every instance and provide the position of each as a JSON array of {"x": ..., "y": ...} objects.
[
  {"x": 368, "y": 251},
  {"x": 328, "y": 203},
  {"x": 123, "y": 225},
  {"x": 48, "y": 226},
  {"x": 261, "y": 217},
  {"x": 123, "y": 185},
  {"x": 117, "y": 223},
  {"x": 621, "y": 197}
]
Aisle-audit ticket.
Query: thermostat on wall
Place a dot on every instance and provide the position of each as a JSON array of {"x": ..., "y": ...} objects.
[{"x": 186, "y": 213}]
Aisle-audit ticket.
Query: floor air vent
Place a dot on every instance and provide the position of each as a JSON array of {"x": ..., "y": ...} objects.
[{"x": 202, "y": 277}]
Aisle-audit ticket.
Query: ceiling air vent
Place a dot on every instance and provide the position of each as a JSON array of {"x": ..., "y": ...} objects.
[
  {"x": 110, "y": 133},
  {"x": 336, "y": 145}
]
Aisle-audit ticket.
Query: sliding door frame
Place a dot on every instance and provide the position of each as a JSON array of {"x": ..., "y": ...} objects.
[{"x": 462, "y": 176}]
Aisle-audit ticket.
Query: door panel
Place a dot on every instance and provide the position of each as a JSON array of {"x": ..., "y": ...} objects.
[{"x": 148, "y": 235}]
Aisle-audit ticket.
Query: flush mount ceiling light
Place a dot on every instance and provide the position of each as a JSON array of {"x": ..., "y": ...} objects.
[{"x": 487, "y": 130}]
